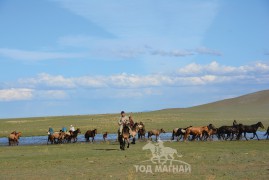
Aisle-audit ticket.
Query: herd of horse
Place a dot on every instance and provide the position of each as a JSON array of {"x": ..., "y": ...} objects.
[{"x": 203, "y": 133}]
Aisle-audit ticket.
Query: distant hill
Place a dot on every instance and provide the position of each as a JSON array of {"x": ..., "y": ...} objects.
[{"x": 254, "y": 103}]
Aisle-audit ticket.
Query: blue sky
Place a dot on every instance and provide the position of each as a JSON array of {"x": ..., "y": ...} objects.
[{"x": 61, "y": 57}]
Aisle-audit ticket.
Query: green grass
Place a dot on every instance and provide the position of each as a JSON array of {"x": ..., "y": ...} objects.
[{"x": 209, "y": 160}]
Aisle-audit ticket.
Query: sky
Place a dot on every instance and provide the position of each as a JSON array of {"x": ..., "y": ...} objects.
[{"x": 69, "y": 57}]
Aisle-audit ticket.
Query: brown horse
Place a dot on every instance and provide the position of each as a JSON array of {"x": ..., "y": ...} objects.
[
  {"x": 13, "y": 138},
  {"x": 72, "y": 135},
  {"x": 141, "y": 130},
  {"x": 156, "y": 133},
  {"x": 124, "y": 137},
  {"x": 90, "y": 133},
  {"x": 133, "y": 131},
  {"x": 197, "y": 132},
  {"x": 56, "y": 137}
]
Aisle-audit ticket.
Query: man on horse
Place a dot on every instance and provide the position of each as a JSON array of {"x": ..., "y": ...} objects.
[
  {"x": 51, "y": 131},
  {"x": 124, "y": 120}
]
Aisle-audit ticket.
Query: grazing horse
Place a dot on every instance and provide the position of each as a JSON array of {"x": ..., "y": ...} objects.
[
  {"x": 105, "y": 136},
  {"x": 156, "y": 133},
  {"x": 179, "y": 132},
  {"x": 249, "y": 129},
  {"x": 124, "y": 136},
  {"x": 197, "y": 132},
  {"x": 267, "y": 133},
  {"x": 13, "y": 138},
  {"x": 90, "y": 133}
]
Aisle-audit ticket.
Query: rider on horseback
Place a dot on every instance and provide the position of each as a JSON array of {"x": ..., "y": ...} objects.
[{"x": 124, "y": 120}]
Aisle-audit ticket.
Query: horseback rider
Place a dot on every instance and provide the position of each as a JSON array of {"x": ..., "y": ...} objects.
[
  {"x": 51, "y": 131},
  {"x": 72, "y": 128},
  {"x": 124, "y": 120}
]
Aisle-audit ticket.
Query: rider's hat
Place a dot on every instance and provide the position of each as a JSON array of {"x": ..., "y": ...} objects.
[{"x": 122, "y": 112}]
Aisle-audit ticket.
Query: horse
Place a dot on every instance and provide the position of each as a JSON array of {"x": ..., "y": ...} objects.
[
  {"x": 178, "y": 132},
  {"x": 59, "y": 136},
  {"x": 267, "y": 133},
  {"x": 133, "y": 131},
  {"x": 249, "y": 129},
  {"x": 209, "y": 134},
  {"x": 197, "y": 132},
  {"x": 73, "y": 135},
  {"x": 105, "y": 136},
  {"x": 124, "y": 137},
  {"x": 141, "y": 133},
  {"x": 90, "y": 133},
  {"x": 141, "y": 130},
  {"x": 230, "y": 131},
  {"x": 13, "y": 138},
  {"x": 156, "y": 133}
]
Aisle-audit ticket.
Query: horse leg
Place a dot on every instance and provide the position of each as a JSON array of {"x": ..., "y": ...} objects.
[
  {"x": 254, "y": 134},
  {"x": 257, "y": 136},
  {"x": 245, "y": 136},
  {"x": 128, "y": 143}
]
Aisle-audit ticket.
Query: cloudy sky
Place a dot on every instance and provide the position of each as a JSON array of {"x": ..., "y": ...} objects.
[{"x": 61, "y": 57}]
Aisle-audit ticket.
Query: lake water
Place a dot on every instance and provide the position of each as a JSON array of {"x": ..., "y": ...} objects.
[{"x": 39, "y": 140}]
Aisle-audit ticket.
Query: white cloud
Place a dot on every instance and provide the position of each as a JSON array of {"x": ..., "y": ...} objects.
[
  {"x": 44, "y": 79},
  {"x": 37, "y": 55},
  {"x": 16, "y": 94},
  {"x": 190, "y": 75}
]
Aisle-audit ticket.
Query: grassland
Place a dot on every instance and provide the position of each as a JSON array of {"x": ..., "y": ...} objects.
[
  {"x": 209, "y": 160},
  {"x": 248, "y": 109}
]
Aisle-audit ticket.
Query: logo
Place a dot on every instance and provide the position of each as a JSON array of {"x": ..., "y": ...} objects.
[{"x": 163, "y": 160}]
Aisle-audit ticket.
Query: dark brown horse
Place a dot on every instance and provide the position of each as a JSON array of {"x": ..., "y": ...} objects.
[
  {"x": 13, "y": 138},
  {"x": 90, "y": 133},
  {"x": 73, "y": 135},
  {"x": 156, "y": 133},
  {"x": 105, "y": 136},
  {"x": 249, "y": 129}
]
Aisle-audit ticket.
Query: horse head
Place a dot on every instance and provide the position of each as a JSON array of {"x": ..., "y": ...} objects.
[
  {"x": 235, "y": 123},
  {"x": 260, "y": 125},
  {"x": 95, "y": 131},
  {"x": 78, "y": 130},
  {"x": 211, "y": 126},
  {"x": 162, "y": 130}
]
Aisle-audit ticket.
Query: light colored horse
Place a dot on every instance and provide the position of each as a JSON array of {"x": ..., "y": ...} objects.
[
  {"x": 13, "y": 138},
  {"x": 156, "y": 133}
]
